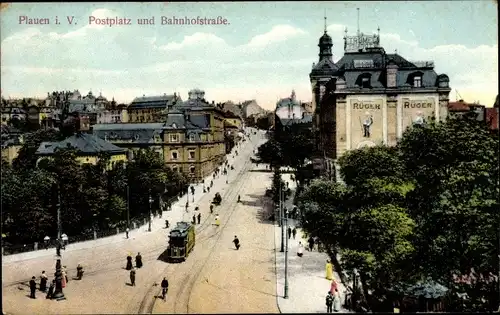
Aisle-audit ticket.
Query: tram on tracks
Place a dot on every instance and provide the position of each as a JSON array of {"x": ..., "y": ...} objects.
[{"x": 181, "y": 241}]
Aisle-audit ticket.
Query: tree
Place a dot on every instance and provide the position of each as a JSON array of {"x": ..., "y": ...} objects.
[
  {"x": 357, "y": 166},
  {"x": 271, "y": 153}
]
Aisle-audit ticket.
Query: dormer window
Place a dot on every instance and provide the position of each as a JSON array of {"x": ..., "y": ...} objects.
[
  {"x": 364, "y": 80},
  {"x": 417, "y": 81}
]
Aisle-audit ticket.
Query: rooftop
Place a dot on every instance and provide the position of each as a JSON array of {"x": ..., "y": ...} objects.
[{"x": 85, "y": 144}]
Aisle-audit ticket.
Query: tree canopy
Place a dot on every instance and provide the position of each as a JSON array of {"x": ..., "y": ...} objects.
[{"x": 427, "y": 208}]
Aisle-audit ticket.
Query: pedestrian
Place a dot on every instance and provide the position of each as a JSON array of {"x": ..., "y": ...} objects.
[
  {"x": 138, "y": 260},
  {"x": 211, "y": 208},
  {"x": 51, "y": 289},
  {"x": 129, "y": 262},
  {"x": 126, "y": 232},
  {"x": 294, "y": 232},
  {"x": 187, "y": 206},
  {"x": 43, "y": 282},
  {"x": 336, "y": 301},
  {"x": 329, "y": 270},
  {"x": 32, "y": 287},
  {"x": 63, "y": 278},
  {"x": 79, "y": 272},
  {"x": 300, "y": 250},
  {"x": 329, "y": 302},
  {"x": 199, "y": 218},
  {"x": 217, "y": 220},
  {"x": 311, "y": 243},
  {"x": 132, "y": 277},
  {"x": 65, "y": 273},
  {"x": 289, "y": 232},
  {"x": 236, "y": 242},
  {"x": 164, "y": 287},
  {"x": 333, "y": 286}
]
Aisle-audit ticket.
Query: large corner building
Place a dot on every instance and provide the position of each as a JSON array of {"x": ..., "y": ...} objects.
[{"x": 369, "y": 96}]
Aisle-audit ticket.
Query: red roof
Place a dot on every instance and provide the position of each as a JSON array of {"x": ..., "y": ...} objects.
[
  {"x": 492, "y": 117},
  {"x": 459, "y": 106}
]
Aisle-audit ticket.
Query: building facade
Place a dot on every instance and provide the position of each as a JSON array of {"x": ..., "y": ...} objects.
[
  {"x": 194, "y": 136},
  {"x": 132, "y": 137},
  {"x": 371, "y": 97},
  {"x": 116, "y": 115},
  {"x": 149, "y": 109}
]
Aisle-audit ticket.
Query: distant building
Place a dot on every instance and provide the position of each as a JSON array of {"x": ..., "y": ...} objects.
[
  {"x": 370, "y": 97},
  {"x": 116, "y": 115},
  {"x": 132, "y": 136},
  {"x": 148, "y": 109},
  {"x": 232, "y": 119},
  {"x": 486, "y": 114},
  {"x": 88, "y": 147},
  {"x": 11, "y": 141},
  {"x": 251, "y": 108}
]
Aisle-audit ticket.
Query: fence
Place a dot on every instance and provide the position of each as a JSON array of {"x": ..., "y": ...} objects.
[{"x": 88, "y": 235}]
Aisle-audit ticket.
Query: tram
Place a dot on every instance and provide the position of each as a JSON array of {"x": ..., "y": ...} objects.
[{"x": 181, "y": 241}]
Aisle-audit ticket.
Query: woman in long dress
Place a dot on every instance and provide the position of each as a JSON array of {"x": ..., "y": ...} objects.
[
  {"x": 336, "y": 301},
  {"x": 329, "y": 270}
]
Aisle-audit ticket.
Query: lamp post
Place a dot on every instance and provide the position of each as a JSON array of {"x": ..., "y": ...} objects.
[
  {"x": 283, "y": 210},
  {"x": 150, "y": 203},
  {"x": 286, "y": 259},
  {"x": 58, "y": 292},
  {"x": 187, "y": 198}
]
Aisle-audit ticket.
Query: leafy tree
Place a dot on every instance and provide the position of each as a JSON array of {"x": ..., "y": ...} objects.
[
  {"x": 357, "y": 166},
  {"x": 271, "y": 153}
]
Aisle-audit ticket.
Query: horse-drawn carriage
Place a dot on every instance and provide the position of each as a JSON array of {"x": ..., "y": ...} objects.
[{"x": 217, "y": 199}]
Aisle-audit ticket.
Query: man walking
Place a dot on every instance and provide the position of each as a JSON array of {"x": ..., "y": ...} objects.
[
  {"x": 289, "y": 232},
  {"x": 164, "y": 287},
  {"x": 194, "y": 219},
  {"x": 199, "y": 218},
  {"x": 329, "y": 302},
  {"x": 132, "y": 277},
  {"x": 126, "y": 232},
  {"x": 236, "y": 242},
  {"x": 32, "y": 287},
  {"x": 311, "y": 243},
  {"x": 294, "y": 232}
]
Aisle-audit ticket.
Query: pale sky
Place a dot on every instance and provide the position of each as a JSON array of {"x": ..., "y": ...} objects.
[{"x": 266, "y": 50}]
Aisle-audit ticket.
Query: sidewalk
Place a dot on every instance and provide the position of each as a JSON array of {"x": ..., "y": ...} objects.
[
  {"x": 178, "y": 210},
  {"x": 307, "y": 283}
]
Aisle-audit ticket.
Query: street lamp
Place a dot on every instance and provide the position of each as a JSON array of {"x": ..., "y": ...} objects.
[
  {"x": 58, "y": 292},
  {"x": 150, "y": 203},
  {"x": 286, "y": 259},
  {"x": 282, "y": 214}
]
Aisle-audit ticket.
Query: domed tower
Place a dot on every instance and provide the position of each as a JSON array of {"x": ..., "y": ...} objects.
[
  {"x": 325, "y": 47},
  {"x": 323, "y": 71}
]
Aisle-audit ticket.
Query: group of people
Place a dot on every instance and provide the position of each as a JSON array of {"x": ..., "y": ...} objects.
[
  {"x": 138, "y": 264},
  {"x": 196, "y": 217},
  {"x": 44, "y": 279}
]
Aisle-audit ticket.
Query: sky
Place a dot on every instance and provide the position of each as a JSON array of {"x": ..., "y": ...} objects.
[{"x": 265, "y": 50}]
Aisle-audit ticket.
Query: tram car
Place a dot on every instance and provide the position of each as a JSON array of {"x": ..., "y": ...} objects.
[{"x": 181, "y": 241}]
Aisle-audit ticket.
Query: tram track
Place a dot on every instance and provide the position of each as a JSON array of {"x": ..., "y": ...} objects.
[{"x": 230, "y": 196}]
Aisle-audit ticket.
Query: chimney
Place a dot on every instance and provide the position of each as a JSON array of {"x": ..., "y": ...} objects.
[{"x": 392, "y": 70}]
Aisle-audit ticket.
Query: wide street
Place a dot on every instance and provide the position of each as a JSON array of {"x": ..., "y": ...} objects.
[{"x": 215, "y": 278}]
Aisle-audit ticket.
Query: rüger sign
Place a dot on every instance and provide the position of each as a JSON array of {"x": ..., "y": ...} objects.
[
  {"x": 375, "y": 104},
  {"x": 407, "y": 103}
]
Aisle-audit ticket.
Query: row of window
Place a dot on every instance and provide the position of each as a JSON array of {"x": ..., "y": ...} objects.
[
  {"x": 192, "y": 169},
  {"x": 175, "y": 138},
  {"x": 175, "y": 155},
  {"x": 415, "y": 79}
]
